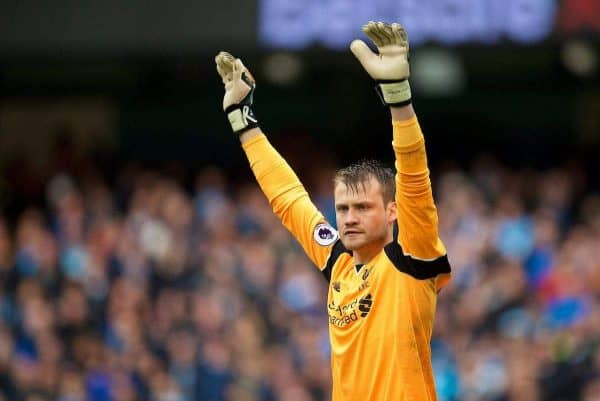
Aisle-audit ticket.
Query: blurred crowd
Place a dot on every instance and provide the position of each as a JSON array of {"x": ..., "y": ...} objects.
[{"x": 143, "y": 287}]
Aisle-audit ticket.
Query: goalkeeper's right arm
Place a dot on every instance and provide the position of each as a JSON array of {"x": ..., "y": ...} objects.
[{"x": 284, "y": 191}]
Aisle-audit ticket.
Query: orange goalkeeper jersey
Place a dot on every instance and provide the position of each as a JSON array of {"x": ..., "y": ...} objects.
[{"x": 380, "y": 314}]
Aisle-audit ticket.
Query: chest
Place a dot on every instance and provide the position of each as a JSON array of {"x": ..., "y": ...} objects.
[
  {"x": 350, "y": 283},
  {"x": 353, "y": 293}
]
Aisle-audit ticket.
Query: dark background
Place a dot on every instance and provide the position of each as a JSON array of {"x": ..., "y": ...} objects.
[{"x": 154, "y": 66}]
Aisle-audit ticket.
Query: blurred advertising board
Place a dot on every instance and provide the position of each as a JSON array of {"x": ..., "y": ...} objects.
[
  {"x": 151, "y": 27},
  {"x": 333, "y": 23}
]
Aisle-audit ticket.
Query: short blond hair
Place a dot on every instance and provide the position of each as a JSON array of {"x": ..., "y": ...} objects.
[{"x": 359, "y": 173}]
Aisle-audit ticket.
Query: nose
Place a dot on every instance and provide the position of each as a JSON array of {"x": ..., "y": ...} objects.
[{"x": 351, "y": 218}]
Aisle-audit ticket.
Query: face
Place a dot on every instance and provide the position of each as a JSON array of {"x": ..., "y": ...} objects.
[{"x": 364, "y": 222}]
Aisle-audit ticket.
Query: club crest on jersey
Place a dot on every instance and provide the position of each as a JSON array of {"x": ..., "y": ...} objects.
[{"x": 325, "y": 235}]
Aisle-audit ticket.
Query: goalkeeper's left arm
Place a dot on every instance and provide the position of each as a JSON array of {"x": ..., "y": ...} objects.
[{"x": 417, "y": 215}]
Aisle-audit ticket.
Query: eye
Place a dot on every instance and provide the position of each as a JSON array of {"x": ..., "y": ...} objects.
[{"x": 341, "y": 208}]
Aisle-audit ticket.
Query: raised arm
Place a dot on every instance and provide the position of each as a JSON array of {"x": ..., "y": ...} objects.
[
  {"x": 417, "y": 214},
  {"x": 279, "y": 183}
]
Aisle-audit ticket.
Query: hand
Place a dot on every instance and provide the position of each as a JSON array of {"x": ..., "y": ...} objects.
[
  {"x": 390, "y": 67},
  {"x": 239, "y": 90}
]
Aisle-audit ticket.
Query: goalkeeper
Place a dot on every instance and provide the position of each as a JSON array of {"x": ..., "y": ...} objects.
[{"x": 385, "y": 262}]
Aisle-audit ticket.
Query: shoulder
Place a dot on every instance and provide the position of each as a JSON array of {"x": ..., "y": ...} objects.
[
  {"x": 337, "y": 251},
  {"x": 420, "y": 269}
]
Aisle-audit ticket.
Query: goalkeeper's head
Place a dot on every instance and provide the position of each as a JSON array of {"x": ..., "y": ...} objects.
[{"x": 365, "y": 205}]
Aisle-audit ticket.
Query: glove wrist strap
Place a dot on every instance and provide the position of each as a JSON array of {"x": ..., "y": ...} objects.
[
  {"x": 241, "y": 117},
  {"x": 394, "y": 93}
]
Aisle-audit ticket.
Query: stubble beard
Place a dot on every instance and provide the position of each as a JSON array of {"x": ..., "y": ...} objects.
[{"x": 364, "y": 241}]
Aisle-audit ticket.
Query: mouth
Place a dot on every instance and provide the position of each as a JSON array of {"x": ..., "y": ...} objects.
[{"x": 351, "y": 232}]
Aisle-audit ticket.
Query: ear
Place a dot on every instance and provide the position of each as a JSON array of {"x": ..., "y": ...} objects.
[{"x": 392, "y": 212}]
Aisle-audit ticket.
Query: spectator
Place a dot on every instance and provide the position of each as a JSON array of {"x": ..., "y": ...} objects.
[{"x": 143, "y": 291}]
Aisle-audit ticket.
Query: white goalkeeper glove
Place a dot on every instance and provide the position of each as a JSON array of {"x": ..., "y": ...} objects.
[
  {"x": 239, "y": 89},
  {"x": 390, "y": 67}
]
